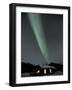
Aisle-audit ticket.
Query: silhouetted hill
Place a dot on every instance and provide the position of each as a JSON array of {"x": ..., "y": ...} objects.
[
  {"x": 27, "y": 67},
  {"x": 59, "y": 67}
]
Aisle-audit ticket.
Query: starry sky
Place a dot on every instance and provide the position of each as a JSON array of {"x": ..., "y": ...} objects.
[{"x": 51, "y": 26}]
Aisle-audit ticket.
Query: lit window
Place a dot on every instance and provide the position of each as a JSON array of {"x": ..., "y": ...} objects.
[
  {"x": 44, "y": 71},
  {"x": 50, "y": 70},
  {"x": 38, "y": 71}
]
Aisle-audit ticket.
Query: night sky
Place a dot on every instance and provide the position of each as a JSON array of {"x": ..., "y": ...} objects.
[{"x": 52, "y": 26}]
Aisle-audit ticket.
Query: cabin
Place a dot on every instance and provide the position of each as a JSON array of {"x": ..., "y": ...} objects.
[{"x": 46, "y": 70}]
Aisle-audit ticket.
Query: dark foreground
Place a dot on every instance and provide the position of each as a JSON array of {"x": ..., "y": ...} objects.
[{"x": 28, "y": 70}]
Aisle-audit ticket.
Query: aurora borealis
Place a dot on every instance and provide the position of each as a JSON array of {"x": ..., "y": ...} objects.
[{"x": 37, "y": 29}]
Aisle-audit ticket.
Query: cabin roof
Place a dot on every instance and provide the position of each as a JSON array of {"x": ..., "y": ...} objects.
[{"x": 47, "y": 66}]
